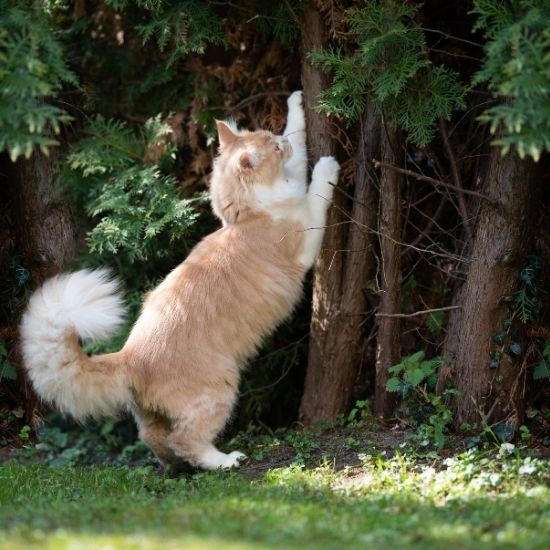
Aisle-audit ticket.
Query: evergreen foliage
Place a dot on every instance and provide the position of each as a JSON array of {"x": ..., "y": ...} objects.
[
  {"x": 276, "y": 19},
  {"x": 517, "y": 70},
  {"x": 135, "y": 206},
  {"x": 32, "y": 69},
  {"x": 187, "y": 26},
  {"x": 389, "y": 68}
]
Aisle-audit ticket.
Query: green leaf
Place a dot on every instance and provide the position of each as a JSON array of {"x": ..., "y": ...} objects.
[
  {"x": 393, "y": 385},
  {"x": 415, "y": 376},
  {"x": 506, "y": 323},
  {"x": 495, "y": 359},
  {"x": 434, "y": 322},
  {"x": 7, "y": 370},
  {"x": 515, "y": 349},
  {"x": 541, "y": 371},
  {"x": 414, "y": 359}
]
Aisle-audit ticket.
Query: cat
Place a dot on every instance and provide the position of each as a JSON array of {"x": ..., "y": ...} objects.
[{"x": 178, "y": 372}]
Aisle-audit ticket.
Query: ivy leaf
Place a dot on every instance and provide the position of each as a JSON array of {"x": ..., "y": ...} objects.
[
  {"x": 504, "y": 430},
  {"x": 541, "y": 371},
  {"x": 495, "y": 359},
  {"x": 506, "y": 323},
  {"x": 515, "y": 349},
  {"x": 7, "y": 370}
]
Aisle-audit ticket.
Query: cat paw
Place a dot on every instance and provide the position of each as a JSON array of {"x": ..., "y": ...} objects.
[
  {"x": 295, "y": 100},
  {"x": 327, "y": 169},
  {"x": 296, "y": 121},
  {"x": 234, "y": 459},
  {"x": 324, "y": 177},
  {"x": 216, "y": 460}
]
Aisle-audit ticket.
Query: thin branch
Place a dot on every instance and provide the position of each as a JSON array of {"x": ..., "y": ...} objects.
[
  {"x": 451, "y": 37},
  {"x": 379, "y": 233},
  {"x": 417, "y": 313},
  {"x": 441, "y": 183},
  {"x": 456, "y": 178},
  {"x": 461, "y": 55},
  {"x": 254, "y": 98}
]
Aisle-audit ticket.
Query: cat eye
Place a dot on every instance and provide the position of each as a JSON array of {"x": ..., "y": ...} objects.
[{"x": 277, "y": 148}]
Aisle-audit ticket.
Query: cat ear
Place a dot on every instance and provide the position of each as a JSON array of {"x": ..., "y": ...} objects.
[{"x": 226, "y": 135}]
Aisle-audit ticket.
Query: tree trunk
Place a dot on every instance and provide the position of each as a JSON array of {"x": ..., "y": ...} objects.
[
  {"x": 502, "y": 238},
  {"x": 43, "y": 234},
  {"x": 44, "y": 228},
  {"x": 342, "y": 270},
  {"x": 388, "y": 349}
]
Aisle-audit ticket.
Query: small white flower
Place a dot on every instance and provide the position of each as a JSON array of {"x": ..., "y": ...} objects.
[
  {"x": 506, "y": 449},
  {"x": 494, "y": 479},
  {"x": 528, "y": 467}
]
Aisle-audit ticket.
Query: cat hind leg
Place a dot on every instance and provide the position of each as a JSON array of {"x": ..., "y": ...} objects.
[
  {"x": 195, "y": 430},
  {"x": 154, "y": 431}
]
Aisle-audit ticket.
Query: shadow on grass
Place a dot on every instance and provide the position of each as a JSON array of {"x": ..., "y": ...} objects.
[{"x": 98, "y": 507}]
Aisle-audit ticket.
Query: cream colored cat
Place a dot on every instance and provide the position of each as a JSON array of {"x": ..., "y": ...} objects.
[{"x": 178, "y": 372}]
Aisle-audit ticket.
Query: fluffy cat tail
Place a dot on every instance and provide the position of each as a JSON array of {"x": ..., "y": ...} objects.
[{"x": 85, "y": 304}]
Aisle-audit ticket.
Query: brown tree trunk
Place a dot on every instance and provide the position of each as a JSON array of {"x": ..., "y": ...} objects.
[
  {"x": 502, "y": 238},
  {"x": 388, "y": 348},
  {"x": 43, "y": 234},
  {"x": 342, "y": 270}
]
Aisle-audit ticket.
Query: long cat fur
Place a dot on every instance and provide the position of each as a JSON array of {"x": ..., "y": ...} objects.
[{"x": 178, "y": 372}]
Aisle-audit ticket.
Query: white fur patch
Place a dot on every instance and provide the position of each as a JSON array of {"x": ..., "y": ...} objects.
[
  {"x": 214, "y": 459},
  {"x": 85, "y": 303},
  {"x": 283, "y": 200}
]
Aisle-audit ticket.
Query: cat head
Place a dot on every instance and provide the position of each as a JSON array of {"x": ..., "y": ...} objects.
[{"x": 246, "y": 159}]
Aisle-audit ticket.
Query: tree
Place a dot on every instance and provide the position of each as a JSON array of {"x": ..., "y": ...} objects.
[
  {"x": 336, "y": 333},
  {"x": 431, "y": 247},
  {"x": 486, "y": 345}
]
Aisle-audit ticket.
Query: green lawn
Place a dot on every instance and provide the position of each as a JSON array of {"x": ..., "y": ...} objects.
[{"x": 470, "y": 501}]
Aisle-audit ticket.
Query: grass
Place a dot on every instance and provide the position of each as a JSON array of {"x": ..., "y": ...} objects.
[{"x": 473, "y": 500}]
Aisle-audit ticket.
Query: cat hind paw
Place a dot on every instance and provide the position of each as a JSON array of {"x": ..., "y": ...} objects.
[{"x": 234, "y": 459}]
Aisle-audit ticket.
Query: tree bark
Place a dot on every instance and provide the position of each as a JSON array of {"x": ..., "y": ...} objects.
[
  {"x": 343, "y": 268},
  {"x": 43, "y": 234},
  {"x": 502, "y": 238},
  {"x": 388, "y": 348}
]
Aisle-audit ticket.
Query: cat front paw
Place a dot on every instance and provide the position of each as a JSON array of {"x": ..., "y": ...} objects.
[
  {"x": 327, "y": 169},
  {"x": 296, "y": 121},
  {"x": 325, "y": 177},
  {"x": 295, "y": 100}
]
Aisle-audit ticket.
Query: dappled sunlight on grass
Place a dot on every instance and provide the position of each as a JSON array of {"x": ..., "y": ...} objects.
[{"x": 469, "y": 501}]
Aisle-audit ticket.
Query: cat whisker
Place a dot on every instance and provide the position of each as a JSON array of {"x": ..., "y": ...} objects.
[{"x": 291, "y": 133}]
